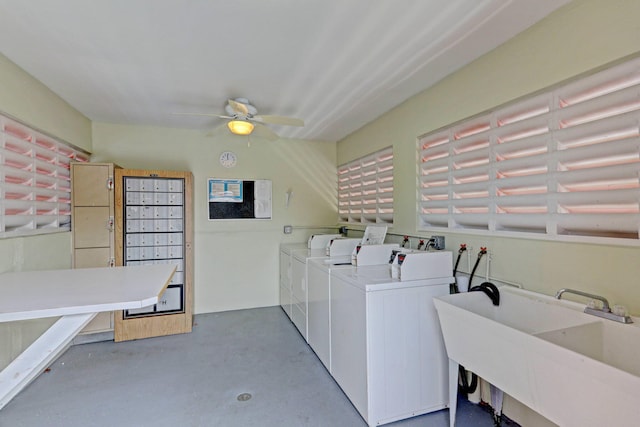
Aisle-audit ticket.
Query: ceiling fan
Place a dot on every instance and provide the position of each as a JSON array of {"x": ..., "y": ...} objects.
[{"x": 244, "y": 119}]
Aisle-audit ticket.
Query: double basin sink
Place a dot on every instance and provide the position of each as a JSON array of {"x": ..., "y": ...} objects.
[{"x": 573, "y": 368}]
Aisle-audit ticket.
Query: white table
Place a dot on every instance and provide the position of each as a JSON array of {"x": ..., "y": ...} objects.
[{"x": 75, "y": 295}]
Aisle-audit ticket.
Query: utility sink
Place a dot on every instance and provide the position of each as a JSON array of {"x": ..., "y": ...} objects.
[
  {"x": 573, "y": 368},
  {"x": 611, "y": 343}
]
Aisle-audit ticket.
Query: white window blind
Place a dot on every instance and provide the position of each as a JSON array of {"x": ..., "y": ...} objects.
[
  {"x": 565, "y": 162},
  {"x": 35, "y": 189},
  {"x": 365, "y": 189}
]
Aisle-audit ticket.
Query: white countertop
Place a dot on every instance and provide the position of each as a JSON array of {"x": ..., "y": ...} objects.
[{"x": 38, "y": 294}]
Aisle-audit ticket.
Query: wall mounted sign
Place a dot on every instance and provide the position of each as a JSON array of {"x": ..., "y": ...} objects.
[{"x": 225, "y": 190}]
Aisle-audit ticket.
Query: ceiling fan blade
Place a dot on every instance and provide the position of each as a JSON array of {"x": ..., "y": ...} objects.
[
  {"x": 203, "y": 114},
  {"x": 263, "y": 131},
  {"x": 239, "y": 107},
  {"x": 217, "y": 131},
  {"x": 278, "y": 120}
]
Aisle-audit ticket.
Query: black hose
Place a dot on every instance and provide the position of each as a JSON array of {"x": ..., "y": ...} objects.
[
  {"x": 455, "y": 267},
  {"x": 494, "y": 294},
  {"x": 473, "y": 272},
  {"x": 490, "y": 290},
  {"x": 453, "y": 288},
  {"x": 465, "y": 387}
]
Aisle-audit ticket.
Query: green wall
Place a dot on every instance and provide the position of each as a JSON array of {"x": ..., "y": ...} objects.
[
  {"x": 28, "y": 100},
  {"x": 580, "y": 37},
  {"x": 236, "y": 261}
]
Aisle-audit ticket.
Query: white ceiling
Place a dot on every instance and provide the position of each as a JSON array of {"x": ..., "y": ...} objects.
[{"x": 337, "y": 64}]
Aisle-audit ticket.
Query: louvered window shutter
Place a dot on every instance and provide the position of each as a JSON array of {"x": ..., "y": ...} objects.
[
  {"x": 35, "y": 189},
  {"x": 365, "y": 189},
  {"x": 565, "y": 162}
]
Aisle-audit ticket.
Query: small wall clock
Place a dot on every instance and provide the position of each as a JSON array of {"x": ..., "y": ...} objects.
[{"x": 228, "y": 159}]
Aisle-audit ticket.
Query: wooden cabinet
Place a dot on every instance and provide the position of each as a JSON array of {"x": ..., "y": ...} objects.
[
  {"x": 92, "y": 224},
  {"x": 93, "y": 227},
  {"x": 153, "y": 218}
]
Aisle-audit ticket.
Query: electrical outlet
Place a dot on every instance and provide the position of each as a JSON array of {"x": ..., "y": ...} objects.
[
  {"x": 288, "y": 229},
  {"x": 438, "y": 242}
]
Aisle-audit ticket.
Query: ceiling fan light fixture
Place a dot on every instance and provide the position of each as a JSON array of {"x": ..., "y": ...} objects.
[{"x": 240, "y": 127}]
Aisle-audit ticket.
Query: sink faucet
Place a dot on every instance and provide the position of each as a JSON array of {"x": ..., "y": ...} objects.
[
  {"x": 604, "y": 312},
  {"x": 605, "y": 303}
]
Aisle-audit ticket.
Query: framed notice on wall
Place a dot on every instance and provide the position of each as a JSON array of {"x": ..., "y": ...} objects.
[
  {"x": 239, "y": 199},
  {"x": 225, "y": 190}
]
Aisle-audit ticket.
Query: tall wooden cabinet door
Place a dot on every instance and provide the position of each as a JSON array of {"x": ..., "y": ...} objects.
[
  {"x": 92, "y": 184},
  {"x": 91, "y": 257},
  {"x": 154, "y": 225},
  {"x": 92, "y": 225}
]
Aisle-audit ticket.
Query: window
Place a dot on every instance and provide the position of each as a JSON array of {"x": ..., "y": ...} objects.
[
  {"x": 565, "y": 162},
  {"x": 35, "y": 188},
  {"x": 365, "y": 189}
]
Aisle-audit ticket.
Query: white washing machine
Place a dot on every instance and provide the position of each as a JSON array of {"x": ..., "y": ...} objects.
[
  {"x": 319, "y": 292},
  {"x": 299, "y": 289},
  {"x": 387, "y": 352},
  {"x": 338, "y": 249},
  {"x": 286, "y": 297},
  {"x": 295, "y": 308},
  {"x": 319, "y": 312}
]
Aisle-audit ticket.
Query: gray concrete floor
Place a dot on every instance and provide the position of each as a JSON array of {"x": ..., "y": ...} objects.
[{"x": 195, "y": 379}]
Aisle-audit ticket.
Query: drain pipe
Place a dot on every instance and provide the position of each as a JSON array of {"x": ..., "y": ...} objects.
[
  {"x": 497, "y": 396},
  {"x": 464, "y": 386}
]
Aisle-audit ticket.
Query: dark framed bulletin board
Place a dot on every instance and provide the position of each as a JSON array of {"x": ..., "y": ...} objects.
[{"x": 239, "y": 199}]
